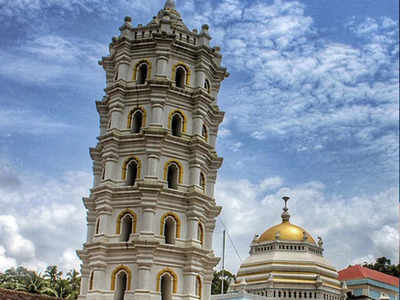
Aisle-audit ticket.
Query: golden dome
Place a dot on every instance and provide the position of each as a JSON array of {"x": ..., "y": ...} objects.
[{"x": 287, "y": 232}]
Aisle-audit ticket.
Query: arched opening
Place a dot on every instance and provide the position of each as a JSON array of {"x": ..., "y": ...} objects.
[
  {"x": 200, "y": 233},
  {"x": 169, "y": 230},
  {"x": 120, "y": 286},
  {"x": 207, "y": 85},
  {"x": 172, "y": 176},
  {"x": 137, "y": 121},
  {"x": 202, "y": 182},
  {"x": 204, "y": 132},
  {"x": 176, "y": 124},
  {"x": 198, "y": 287},
  {"x": 180, "y": 77},
  {"x": 142, "y": 74},
  {"x": 103, "y": 173},
  {"x": 97, "y": 226},
  {"x": 91, "y": 281},
  {"x": 131, "y": 173},
  {"x": 126, "y": 229},
  {"x": 166, "y": 287}
]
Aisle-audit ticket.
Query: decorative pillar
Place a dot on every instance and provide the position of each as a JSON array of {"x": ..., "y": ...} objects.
[
  {"x": 123, "y": 70},
  {"x": 162, "y": 66},
  {"x": 153, "y": 166},
  {"x": 157, "y": 109},
  {"x": 192, "y": 228},
  {"x": 148, "y": 216},
  {"x": 99, "y": 278}
]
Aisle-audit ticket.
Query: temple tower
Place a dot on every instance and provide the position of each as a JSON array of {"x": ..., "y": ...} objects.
[{"x": 151, "y": 212}]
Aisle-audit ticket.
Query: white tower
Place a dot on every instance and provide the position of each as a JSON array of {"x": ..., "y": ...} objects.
[{"x": 151, "y": 213}]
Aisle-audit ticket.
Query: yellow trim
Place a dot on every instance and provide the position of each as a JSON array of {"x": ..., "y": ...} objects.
[
  {"x": 198, "y": 279},
  {"x": 203, "y": 184},
  {"x": 201, "y": 233},
  {"x": 206, "y": 130},
  {"x": 123, "y": 214},
  {"x": 180, "y": 167},
  {"x": 177, "y": 220},
  {"x": 116, "y": 271},
  {"x": 172, "y": 274},
  {"x": 171, "y": 114},
  {"x": 132, "y": 112},
  {"x": 126, "y": 163},
  {"x": 187, "y": 69},
  {"x": 294, "y": 280},
  {"x": 209, "y": 85},
  {"x": 288, "y": 263},
  {"x": 91, "y": 280},
  {"x": 146, "y": 61},
  {"x": 284, "y": 272}
]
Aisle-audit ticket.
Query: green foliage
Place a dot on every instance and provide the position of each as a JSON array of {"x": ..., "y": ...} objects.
[
  {"x": 52, "y": 283},
  {"x": 216, "y": 285},
  {"x": 384, "y": 265}
]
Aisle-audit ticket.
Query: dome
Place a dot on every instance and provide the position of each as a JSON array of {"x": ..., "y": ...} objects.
[{"x": 287, "y": 231}]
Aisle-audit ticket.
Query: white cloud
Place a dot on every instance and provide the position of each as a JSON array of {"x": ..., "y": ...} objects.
[
  {"x": 5, "y": 261},
  {"x": 271, "y": 183},
  {"x": 51, "y": 224},
  {"x": 49, "y": 59},
  {"x": 28, "y": 122}
]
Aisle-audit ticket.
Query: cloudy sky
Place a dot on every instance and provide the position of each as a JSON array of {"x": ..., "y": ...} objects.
[{"x": 311, "y": 112}]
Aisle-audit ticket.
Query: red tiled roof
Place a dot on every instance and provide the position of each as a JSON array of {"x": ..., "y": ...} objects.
[{"x": 359, "y": 272}]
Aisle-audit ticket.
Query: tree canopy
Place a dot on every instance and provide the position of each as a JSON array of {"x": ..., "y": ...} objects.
[
  {"x": 216, "y": 285},
  {"x": 384, "y": 265},
  {"x": 51, "y": 283}
]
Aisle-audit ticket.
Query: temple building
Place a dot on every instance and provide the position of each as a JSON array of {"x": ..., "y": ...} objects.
[
  {"x": 151, "y": 212},
  {"x": 286, "y": 262}
]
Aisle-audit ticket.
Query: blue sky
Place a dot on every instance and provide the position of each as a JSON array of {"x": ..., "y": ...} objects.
[{"x": 311, "y": 111}]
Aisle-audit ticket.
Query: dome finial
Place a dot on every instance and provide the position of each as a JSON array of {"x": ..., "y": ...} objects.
[
  {"x": 285, "y": 215},
  {"x": 170, "y": 4}
]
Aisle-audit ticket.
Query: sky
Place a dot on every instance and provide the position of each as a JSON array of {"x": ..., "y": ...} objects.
[{"x": 311, "y": 108}]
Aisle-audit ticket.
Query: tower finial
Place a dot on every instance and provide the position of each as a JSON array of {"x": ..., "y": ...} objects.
[
  {"x": 170, "y": 4},
  {"x": 285, "y": 215}
]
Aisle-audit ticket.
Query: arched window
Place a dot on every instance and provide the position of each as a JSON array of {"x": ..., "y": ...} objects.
[
  {"x": 97, "y": 226},
  {"x": 137, "y": 121},
  {"x": 203, "y": 182},
  {"x": 166, "y": 287},
  {"x": 198, "y": 286},
  {"x": 131, "y": 170},
  {"x": 176, "y": 124},
  {"x": 116, "y": 75},
  {"x": 131, "y": 173},
  {"x": 91, "y": 280},
  {"x": 207, "y": 86},
  {"x": 142, "y": 73},
  {"x": 121, "y": 285},
  {"x": 126, "y": 227},
  {"x": 204, "y": 132},
  {"x": 169, "y": 230},
  {"x": 180, "y": 77},
  {"x": 200, "y": 233},
  {"x": 167, "y": 283},
  {"x": 109, "y": 124},
  {"x": 172, "y": 177}
]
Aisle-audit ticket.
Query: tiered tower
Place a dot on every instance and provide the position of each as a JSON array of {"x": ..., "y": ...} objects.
[{"x": 151, "y": 213}]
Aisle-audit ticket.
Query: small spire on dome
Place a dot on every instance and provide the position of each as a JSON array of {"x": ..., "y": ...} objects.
[
  {"x": 285, "y": 215},
  {"x": 170, "y": 4}
]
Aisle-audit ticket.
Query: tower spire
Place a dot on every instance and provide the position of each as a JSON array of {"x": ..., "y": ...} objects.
[
  {"x": 285, "y": 215},
  {"x": 170, "y": 4}
]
